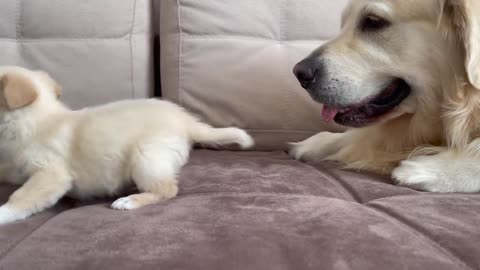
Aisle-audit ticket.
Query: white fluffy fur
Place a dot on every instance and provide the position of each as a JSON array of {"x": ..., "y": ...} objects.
[
  {"x": 433, "y": 45},
  {"x": 96, "y": 151}
]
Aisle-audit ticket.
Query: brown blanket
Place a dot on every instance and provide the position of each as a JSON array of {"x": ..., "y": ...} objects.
[{"x": 256, "y": 210}]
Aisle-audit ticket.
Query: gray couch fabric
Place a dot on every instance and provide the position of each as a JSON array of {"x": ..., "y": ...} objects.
[
  {"x": 235, "y": 210},
  {"x": 231, "y": 62},
  {"x": 256, "y": 211},
  {"x": 98, "y": 50}
]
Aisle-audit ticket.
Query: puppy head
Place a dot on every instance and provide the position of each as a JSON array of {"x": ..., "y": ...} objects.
[
  {"x": 393, "y": 58},
  {"x": 20, "y": 87}
]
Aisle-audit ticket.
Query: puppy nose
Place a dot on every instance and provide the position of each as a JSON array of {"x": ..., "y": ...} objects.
[{"x": 305, "y": 72}]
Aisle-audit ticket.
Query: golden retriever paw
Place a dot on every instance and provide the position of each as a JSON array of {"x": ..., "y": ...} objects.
[
  {"x": 425, "y": 173},
  {"x": 316, "y": 148}
]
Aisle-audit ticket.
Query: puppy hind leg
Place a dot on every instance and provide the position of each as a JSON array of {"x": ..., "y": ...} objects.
[
  {"x": 154, "y": 171},
  {"x": 167, "y": 190}
]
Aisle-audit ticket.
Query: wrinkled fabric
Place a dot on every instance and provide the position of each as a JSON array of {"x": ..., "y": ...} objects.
[{"x": 255, "y": 210}]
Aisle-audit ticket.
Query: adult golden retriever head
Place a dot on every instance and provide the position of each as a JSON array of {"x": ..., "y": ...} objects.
[{"x": 394, "y": 58}]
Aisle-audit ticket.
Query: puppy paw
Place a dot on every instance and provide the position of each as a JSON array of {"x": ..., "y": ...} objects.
[
  {"x": 242, "y": 138},
  {"x": 316, "y": 148},
  {"x": 8, "y": 215},
  {"x": 167, "y": 190},
  {"x": 424, "y": 173},
  {"x": 126, "y": 203}
]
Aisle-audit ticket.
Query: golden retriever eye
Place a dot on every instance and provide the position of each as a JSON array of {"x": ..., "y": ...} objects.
[{"x": 373, "y": 23}]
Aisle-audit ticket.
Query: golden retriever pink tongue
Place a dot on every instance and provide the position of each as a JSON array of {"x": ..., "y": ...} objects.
[{"x": 329, "y": 113}]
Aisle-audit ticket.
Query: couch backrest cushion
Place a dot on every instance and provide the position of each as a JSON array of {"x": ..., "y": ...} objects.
[
  {"x": 98, "y": 50},
  {"x": 231, "y": 62}
]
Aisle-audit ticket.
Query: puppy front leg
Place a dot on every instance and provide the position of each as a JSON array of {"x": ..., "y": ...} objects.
[{"x": 42, "y": 190}]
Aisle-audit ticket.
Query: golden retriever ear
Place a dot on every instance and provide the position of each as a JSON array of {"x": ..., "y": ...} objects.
[
  {"x": 466, "y": 20},
  {"x": 18, "y": 90},
  {"x": 51, "y": 82}
]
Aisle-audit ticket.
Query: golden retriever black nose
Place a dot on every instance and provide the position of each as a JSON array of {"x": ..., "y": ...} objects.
[{"x": 306, "y": 72}]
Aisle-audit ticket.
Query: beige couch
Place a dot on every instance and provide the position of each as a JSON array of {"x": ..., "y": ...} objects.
[
  {"x": 100, "y": 51},
  {"x": 230, "y": 62}
]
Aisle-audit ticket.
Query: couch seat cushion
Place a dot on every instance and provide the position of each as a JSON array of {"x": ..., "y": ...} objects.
[{"x": 253, "y": 210}]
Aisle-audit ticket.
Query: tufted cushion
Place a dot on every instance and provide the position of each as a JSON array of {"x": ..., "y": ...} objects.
[
  {"x": 231, "y": 62},
  {"x": 99, "y": 50},
  {"x": 256, "y": 211}
]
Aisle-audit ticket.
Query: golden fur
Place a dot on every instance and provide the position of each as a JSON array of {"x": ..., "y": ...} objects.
[
  {"x": 53, "y": 151},
  {"x": 430, "y": 141}
]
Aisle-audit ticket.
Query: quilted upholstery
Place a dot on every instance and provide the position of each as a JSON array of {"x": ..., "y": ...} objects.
[
  {"x": 235, "y": 210},
  {"x": 99, "y": 50},
  {"x": 231, "y": 62},
  {"x": 256, "y": 211}
]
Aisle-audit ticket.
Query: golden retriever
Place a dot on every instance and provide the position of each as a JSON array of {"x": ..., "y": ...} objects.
[
  {"x": 405, "y": 76},
  {"x": 100, "y": 151}
]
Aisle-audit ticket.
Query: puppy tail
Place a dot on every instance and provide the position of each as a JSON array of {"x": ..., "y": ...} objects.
[{"x": 204, "y": 134}]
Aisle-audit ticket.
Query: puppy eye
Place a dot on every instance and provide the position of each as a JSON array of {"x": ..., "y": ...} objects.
[{"x": 373, "y": 23}]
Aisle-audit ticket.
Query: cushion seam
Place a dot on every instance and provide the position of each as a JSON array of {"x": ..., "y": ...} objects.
[
  {"x": 233, "y": 36},
  {"x": 407, "y": 226},
  {"x": 132, "y": 75},
  {"x": 280, "y": 194},
  {"x": 180, "y": 53},
  {"x": 8, "y": 251},
  {"x": 19, "y": 18},
  {"x": 19, "y": 27},
  {"x": 344, "y": 185},
  {"x": 285, "y": 130},
  {"x": 60, "y": 39},
  {"x": 349, "y": 191},
  {"x": 427, "y": 195},
  {"x": 283, "y": 11},
  {"x": 284, "y": 107}
]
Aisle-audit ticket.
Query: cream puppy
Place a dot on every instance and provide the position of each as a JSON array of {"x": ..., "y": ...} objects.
[{"x": 54, "y": 151}]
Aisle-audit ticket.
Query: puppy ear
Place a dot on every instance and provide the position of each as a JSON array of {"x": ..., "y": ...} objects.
[
  {"x": 18, "y": 90},
  {"x": 51, "y": 82},
  {"x": 466, "y": 20}
]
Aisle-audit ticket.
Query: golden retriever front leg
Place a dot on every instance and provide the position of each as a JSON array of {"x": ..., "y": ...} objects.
[
  {"x": 42, "y": 190},
  {"x": 446, "y": 172},
  {"x": 318, "y": 147}
]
